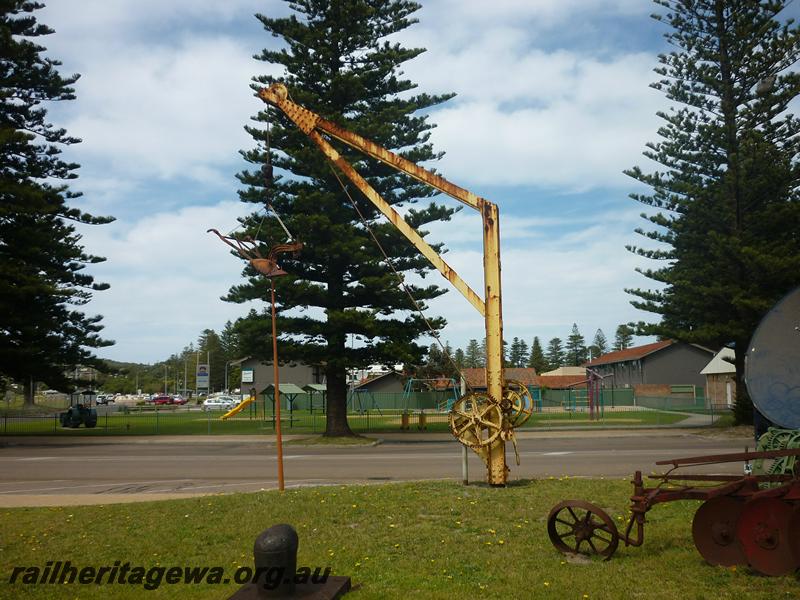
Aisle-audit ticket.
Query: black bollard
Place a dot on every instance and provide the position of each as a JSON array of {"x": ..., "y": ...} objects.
[
  {"x": 275, "y": 557},
  {"x": 275, "y": 554}
]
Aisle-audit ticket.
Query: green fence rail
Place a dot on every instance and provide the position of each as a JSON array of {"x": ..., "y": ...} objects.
[{"x": 552, "y": 412}]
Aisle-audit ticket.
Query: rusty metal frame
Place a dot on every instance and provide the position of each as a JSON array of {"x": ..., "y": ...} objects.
[
  {"x": 490, "y": 307},
  {"x": 747, "y": 487}
]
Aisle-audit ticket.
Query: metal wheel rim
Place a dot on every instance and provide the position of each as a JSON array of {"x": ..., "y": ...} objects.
[
  {"x": 573, "y": 524},
  {"x": 520, "y": 398},
  {"x": 471, "y": 415}
]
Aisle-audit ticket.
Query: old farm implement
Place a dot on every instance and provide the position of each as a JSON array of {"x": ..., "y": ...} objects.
[
  {"x": 751, "y": 519},
  {"x": 740, "y": 522}
]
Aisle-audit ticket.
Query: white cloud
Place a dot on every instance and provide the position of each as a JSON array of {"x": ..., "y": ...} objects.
[
  {"x": 164, "y": 96},
  {"x": 167, "y": 276},
  {"x": 551, "y": 283},
  {"x": 528, "y": 116},
  {"x": 167, "y": 112},
  {"x": 130, "y": 18}
]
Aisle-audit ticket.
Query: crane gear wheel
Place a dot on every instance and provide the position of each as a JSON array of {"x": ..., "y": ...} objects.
[
  {"x": 476, "y": 420},
  {"x": 580, "y": 527},
  {"x": 520, "y": 400}
]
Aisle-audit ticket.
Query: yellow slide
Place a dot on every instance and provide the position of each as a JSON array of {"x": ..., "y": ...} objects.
[{"x": 237, "y": 408}]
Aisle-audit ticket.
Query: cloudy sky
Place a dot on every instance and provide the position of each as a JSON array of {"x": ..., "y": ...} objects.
[{"x": 552, "y": 104}]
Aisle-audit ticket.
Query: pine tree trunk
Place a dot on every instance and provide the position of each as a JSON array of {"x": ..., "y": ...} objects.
[
  {"x": 743, "y": 406},
  {"x": 336, "y": 424},
  {"x": 28, "y": 390}
]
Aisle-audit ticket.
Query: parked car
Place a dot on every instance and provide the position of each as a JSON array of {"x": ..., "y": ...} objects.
[
  {"x": 178, "y": 399},
  {"x": 220, "y": 402},
  {"x": 162, "y": 399},
  {"x": 104, "y": 399}
]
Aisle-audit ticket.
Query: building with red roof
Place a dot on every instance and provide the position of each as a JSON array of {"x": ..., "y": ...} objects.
[{"x": 663, "y": 363}]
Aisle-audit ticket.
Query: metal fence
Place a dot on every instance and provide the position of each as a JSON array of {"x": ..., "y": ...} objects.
[{"x": 258, "y": 418}]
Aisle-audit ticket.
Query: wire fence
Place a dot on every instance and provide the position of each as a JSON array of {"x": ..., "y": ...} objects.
[{"x": 258, "y": 418}]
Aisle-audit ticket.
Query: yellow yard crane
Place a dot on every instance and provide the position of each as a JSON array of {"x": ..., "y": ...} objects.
[{"x": 481, "y": 421}]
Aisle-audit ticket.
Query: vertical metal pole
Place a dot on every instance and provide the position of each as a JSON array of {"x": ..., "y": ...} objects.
[
  {"x": 464, "y": 465},
  {"x": 277, "y": 392},
  {"x": 494, "y": 332}
]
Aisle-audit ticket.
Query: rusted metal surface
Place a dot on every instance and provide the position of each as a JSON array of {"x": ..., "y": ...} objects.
[
  {"x": 248, "y": 248},
  {"x": 722, "y": 458},
  {"x": 688, "y": 477},
  {"x": 277, "y": 95},
  {"x": 763, "y": 533},
  {"x": 397, "y": 220},
  {"x": 741, "y": 522},
  {"x": 714, "y": 531},
  {"x": 577, "y": 526},
  {"x": 492, "y": 452}
]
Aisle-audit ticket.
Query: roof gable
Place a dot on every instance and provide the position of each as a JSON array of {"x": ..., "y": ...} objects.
[
  {"x": 635, "y": 353},
  {"x": 719, "y": 365}
]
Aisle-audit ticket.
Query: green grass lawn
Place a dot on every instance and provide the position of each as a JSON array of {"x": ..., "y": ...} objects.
[
  {"x": 425, "y": 540},
  {"x": 178, "y": 422}
]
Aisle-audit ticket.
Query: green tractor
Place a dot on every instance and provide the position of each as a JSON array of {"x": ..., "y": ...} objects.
[
  {"x": 78, "y": 415},
  {"x": 80, "y": 411}
]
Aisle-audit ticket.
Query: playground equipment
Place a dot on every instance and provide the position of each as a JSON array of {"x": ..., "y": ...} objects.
[
  {"x": 485, "y": 421},
  {"x": 357, "y": 396},
  {"x": 752, "y": 519},
  {"x": 236, "y": 409}
]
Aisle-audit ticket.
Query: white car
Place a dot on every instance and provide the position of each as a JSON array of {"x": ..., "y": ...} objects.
[{"x": 220, "y": 402}]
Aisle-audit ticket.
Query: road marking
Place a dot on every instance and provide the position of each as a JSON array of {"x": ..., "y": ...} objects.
[{"x": 73, "y": 487}]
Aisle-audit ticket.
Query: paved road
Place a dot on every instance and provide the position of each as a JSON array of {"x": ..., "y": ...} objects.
[{"x": 46, "y": 471}]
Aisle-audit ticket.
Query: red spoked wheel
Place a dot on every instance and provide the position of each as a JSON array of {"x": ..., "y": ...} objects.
[
  {"x": 763, "y": 531},
  {"x": 714, "y": 531},
  {"x": 579, "y": 527}
]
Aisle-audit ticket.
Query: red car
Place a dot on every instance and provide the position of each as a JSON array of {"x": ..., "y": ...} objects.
[{"x": 162, "y": 399}]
